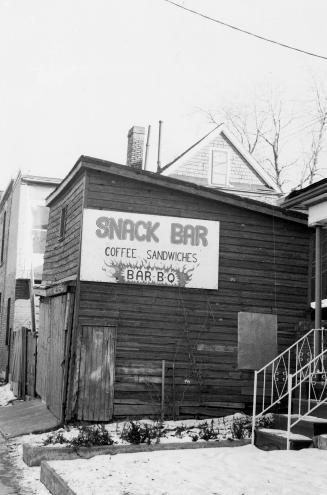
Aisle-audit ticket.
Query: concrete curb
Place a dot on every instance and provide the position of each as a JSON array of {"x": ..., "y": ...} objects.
[
  {"x": 34, "y": 455},
  {"x": 53, "y": 482}
]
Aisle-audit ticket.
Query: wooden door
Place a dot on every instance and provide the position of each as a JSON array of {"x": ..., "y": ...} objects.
[
  {"x": 96, "y": 373},
  {"x": 56, "y": 354},
  {"x": 55, "y": 319}
]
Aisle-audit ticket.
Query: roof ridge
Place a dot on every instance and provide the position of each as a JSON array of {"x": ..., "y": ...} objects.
[{"x": 190, "y": 148}]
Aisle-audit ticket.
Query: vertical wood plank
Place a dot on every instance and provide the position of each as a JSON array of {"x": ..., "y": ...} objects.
[
  {"x": 88, "y": 357},
  {"x": 112, "y": 353},
  {"x": 104, "y": 392},
  {"x": 23, "y": 337},
  {"x": 96, "y": 373},
  {"x": 80, "y": 366}
]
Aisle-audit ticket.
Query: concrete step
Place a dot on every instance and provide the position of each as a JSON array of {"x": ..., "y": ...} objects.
[
  {"x": 320, "y": 442},
  {"x": 309, "y": 426},
  {"x": 273, "y": 439},
  {"x": 320, "y": 411}
]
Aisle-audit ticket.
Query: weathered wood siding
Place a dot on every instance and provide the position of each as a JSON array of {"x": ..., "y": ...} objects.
[
  {"x": 96, "y": 359},
  {"x": 263, "y": 268},
  {"x": 61, "y": 257}
]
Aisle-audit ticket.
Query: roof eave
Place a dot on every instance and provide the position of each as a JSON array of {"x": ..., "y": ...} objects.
[{"x": 89, "y": 163}]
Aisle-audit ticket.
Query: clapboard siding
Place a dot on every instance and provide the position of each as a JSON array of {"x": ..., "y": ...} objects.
[
  {"x": 61, "y": 257},
  {"x": 263, "y": 267}
]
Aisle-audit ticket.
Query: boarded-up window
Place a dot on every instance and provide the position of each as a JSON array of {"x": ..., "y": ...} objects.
[
  {"x": 22, "y": 289},
  {"x": 219, "y": 167},
  {"x": 257, "y": 340}
]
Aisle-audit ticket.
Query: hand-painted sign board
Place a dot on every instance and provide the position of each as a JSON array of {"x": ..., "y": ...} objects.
[{"x": 134, "y": 248}]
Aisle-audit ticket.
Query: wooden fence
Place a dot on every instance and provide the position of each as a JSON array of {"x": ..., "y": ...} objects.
[{"x": 23, "y": 360}]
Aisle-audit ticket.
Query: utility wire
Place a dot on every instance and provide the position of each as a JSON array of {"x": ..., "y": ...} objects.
[{"x": 284, "y": 45}]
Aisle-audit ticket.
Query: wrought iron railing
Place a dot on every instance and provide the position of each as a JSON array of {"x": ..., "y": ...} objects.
[
  {"x": 309, "y": 384},
  {"x": 271, "y": 382}
]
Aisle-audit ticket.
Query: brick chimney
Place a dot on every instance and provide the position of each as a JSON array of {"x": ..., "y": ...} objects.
[{"x": 135, "y": 145}]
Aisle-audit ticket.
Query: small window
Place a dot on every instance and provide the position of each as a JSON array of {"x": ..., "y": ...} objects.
[
  {"x": 63, "y": 219},
  {"x": 3, "y": 237},
  {"x": 40, "y": 217},
  {"x": 219, "y": 167}
]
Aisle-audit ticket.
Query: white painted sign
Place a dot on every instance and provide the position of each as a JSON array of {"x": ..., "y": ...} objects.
[{"x": 132, "y": 248}]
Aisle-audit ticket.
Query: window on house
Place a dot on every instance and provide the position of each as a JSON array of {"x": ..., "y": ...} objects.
[
  {"x": 40, "y": 216},
  {"x": 219, "y": 167},
  {"x": 3, "y": 237},
  {"x": 8, "y": 322},
  {"x": 63, "y": 219},
  {"x": 257, "y": 340}
]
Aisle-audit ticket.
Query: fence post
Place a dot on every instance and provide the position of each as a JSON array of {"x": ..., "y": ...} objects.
[
  {"x": 289, "y": 410},
  {"x": 254, "y": 405}
]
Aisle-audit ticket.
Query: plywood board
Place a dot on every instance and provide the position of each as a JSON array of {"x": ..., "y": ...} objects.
[{"x": 257, "y": 339}]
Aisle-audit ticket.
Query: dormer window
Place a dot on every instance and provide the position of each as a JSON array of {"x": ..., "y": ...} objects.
[{"x": 219, "y": 167}]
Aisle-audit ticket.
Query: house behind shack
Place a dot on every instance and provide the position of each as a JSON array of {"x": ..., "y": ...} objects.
[
  {"x": 160, "y": 295},
  {"x": 23, "y": 224},
  {"x": 218, "y": 160}
]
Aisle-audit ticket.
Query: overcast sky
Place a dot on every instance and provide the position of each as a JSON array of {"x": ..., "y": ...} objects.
[{"x": 77, "y": 74}]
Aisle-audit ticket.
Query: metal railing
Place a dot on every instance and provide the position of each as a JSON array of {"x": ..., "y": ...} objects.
[
  {"x": 272, "y": 381},
  {"x": 310, "y": 383}
]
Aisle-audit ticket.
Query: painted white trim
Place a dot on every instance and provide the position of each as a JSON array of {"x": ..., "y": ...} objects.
[
  {"x": 219, "y": 148},
  {"x": 249, "y": 158},
  {"x": 239, "y": 147}
]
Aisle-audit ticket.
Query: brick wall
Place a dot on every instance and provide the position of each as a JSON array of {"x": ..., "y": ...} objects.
[{"x": 135, "y": 147}]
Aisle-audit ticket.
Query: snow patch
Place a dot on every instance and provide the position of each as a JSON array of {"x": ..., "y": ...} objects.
[{"x": 6, "y": 395}]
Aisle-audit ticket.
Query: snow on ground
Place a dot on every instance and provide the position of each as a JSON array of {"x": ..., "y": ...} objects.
[
  {"x": 174, "y": 431},
  {"x": 223, "y": 471},
  {"x": 6, "y": 395},
  {"x": 28, "y": 478}
]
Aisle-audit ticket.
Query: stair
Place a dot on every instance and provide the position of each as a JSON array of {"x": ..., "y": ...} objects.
[
  {"x": 273, "y": 439},
  {"x": 320, "y": 411},
  {"x": 306, "y": 433},
  {"x": 295, "y": 381}
]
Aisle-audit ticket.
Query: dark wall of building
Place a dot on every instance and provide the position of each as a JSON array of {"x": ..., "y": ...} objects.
[
  {"x": 61, "y": 256},
  {"x": 263, "y": 268}
]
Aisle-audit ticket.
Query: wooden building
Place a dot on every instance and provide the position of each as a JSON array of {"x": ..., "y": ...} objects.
[
  {"x": 158, "y": 292},
  {"x": 219, "y": 160}
]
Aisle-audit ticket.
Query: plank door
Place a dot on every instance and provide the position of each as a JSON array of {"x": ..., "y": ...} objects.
[
  {"x": 54, "y": 319},
  {"x": 96, "y": 373},
  {"x": 56, "y": 354}
]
